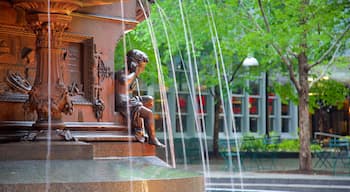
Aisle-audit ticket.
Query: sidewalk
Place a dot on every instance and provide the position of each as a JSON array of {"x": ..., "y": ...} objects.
[
  {"x": 265, "y": 166},
  {"x": 283, "y": 177}
]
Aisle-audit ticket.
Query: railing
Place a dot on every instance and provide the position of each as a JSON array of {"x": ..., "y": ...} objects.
[{"x": 327, "y": 135}]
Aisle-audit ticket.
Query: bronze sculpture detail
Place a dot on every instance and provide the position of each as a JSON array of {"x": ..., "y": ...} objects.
[{"x": 138, "y": 108}]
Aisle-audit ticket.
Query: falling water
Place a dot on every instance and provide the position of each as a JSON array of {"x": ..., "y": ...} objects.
[
  {"x": 161, "y": 84},
  {"x": 162, "y": 15},
  {"x": 204, "y": 148},
  {"x": 213, "y": 26},
  {"x": 130, "y": 148},
  {"x": 48, "y": 153},
  {"x": 192, "y": 90},
  {"x": 193, "y": 72},
  {"x": 165, "y": 18},
  {"x": 217, "y": 48}
]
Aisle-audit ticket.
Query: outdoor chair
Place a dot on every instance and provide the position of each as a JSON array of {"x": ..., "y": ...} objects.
[
  {"x": 337, "y": 150},
  {"x": 341, "y": 153}
]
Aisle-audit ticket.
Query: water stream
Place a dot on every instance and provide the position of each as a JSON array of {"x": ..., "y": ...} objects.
[
  {"x": 172, "y": 65},
  {"x": 194, "y": 85}
]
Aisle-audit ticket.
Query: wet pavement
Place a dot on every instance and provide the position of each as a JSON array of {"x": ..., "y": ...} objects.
[
  {"x": 267, "y": 176},
  {"x": 263, "y": 167},
  {"x": 256, "y": 175}
]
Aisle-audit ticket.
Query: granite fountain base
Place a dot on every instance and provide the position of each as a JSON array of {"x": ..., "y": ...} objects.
[{"x": 134, "y": 174}]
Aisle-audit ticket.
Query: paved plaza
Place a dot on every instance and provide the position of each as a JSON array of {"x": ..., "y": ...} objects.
[{"x": 282, "y": 176}]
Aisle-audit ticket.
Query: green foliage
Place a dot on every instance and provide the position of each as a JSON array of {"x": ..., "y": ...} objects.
[
  {"x": 286, "y": 92},
  {"x": 239, "y": 29},
  {"x": 289, "y": 145},
  {"x": 252, "y": 144},
  {"x": 258, "y": 145},
  {"x": 315, "y": 147},
  {"x": 278, "y": 38},
  {"x": 327, "y": 93}
]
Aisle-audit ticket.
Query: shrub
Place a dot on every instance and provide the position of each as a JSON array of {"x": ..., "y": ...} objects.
[{"x": 289, "y": 145}]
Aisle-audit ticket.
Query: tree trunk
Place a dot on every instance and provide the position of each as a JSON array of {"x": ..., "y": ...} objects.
[
  {"x": 216, "y": 124},
  {"x": 305, "y": 160}
]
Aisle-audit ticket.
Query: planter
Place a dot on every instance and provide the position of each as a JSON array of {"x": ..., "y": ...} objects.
[{"x": 272, "y": 154}]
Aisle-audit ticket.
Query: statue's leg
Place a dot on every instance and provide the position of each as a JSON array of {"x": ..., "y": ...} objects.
[
  {"x": 147, "y": 116},
  {"x": 137, "y": 126},
  {"x": 135, "y": 123}
]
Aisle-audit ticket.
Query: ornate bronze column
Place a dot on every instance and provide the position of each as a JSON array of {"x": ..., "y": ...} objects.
[{"x": 49, "y": 95}]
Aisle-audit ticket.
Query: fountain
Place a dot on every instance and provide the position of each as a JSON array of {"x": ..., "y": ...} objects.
[{"x": 59, "y": 130}]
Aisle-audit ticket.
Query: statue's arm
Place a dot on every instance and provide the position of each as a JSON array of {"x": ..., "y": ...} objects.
[
  {"x": 126, "y": 79},
  {"x": 130, "y": 78}
]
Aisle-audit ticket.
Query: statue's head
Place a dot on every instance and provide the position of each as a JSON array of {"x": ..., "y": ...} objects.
[{"x": 135, "y": 58}]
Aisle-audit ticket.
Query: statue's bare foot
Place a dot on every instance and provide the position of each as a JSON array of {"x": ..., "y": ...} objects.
[
  {"x": 154, "y": 141},
  {"x": 139, "y": 135}
]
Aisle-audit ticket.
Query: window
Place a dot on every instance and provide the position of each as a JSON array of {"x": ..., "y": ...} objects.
[
  {"x": 201, "y": 104},
  {"x": 271, "y": 112},
  {"x": 158, "y": 112},
  {"x": 182, "y": 81},
  {"x": 254, "y": 105},
  {"x": 222, "y": 123},
  {"x": 253, "y": 122},
  {"x": 237, "y": 101},
  {"x": 182, "y": 111},
  {"x": 201, "y": 110},
  {"x": 238, "y": 123},
  {"x": 183, "y": 123},
  {"x": 237, "y": 104},
  {"x": 201, "y": 122},
  {"x": 254, "y": 87},
  {"x": 285, "y": 118},
  {"x": 182, "y": 103},
  {"x": 254, "y": 113}
]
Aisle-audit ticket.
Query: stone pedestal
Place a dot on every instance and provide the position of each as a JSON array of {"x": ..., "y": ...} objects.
[
  {"x": 113, "y": 175},
  {"x": 38, "y": 151},
  {"x": 49, "y": 95}
]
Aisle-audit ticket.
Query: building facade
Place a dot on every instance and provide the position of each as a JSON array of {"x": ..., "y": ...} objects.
[{"x": 192, "y": 117}]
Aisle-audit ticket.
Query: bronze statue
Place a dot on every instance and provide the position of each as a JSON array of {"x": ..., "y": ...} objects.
[{"x": 139, "y": 108}]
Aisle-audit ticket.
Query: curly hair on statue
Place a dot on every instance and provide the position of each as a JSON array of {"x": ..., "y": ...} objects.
[{"x": 134, "y": 58}]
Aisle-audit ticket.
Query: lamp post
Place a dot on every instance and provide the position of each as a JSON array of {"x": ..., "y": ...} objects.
[
  {"x": 267, "y": 103},
  {"x": 250, "y": 62}
]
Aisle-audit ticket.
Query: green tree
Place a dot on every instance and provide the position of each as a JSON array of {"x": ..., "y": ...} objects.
[
  {"x": 290, "y": 37},
  {"x": 303, "y": 34},
  {"x": 187, "y": 31},
  {"x": 324, "y": 95}
]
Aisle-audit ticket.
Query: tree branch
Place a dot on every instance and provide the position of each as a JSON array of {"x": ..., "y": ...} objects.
[
  {"x": 292, "y": 53},
  {"x": 328, "y": 65},
  {"x": 323, "y": 57},
  {"x": 285, "y": 59},
  {"x": 289, "y": 65},
  {"x": 235, "y": 72},
  {"x": 267, "y": 25},
  {"x": 292, "y": 74}
]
